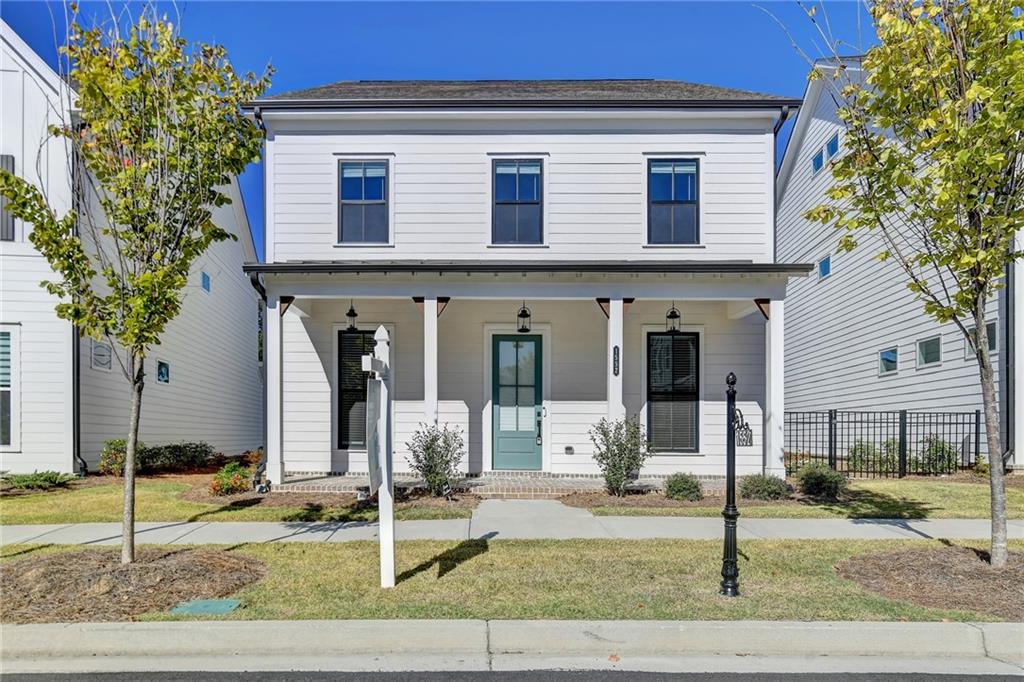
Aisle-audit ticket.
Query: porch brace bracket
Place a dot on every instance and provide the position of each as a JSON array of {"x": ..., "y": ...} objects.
[
  {"x": 286, "y": 302},
  {"x": 442, "y": 303},
  {"x": 764, "y": 305},
  {"x": 605, "y": 304}
]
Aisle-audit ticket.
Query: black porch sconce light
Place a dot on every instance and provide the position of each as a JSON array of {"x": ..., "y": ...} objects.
[
  {"x": 672, "y": 319},
  {"x": 351, "y": 315},
  {"x": 523, "y": 319}
]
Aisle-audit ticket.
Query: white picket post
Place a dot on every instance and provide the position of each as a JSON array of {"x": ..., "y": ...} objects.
[{"x": 385, "y": 495}]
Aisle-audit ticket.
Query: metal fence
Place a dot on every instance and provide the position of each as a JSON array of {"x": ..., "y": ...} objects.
[{"x": 883, "y": 444}]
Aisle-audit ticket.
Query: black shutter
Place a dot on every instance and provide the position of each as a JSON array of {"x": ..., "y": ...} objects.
[
  {"x": 6, "y": 219},
  {"x": 672, "y": 391},
  {"x": 352, "y": 346}
]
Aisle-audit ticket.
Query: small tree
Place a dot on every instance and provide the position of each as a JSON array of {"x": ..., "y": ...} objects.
[
  {"x": 620, "y": 449},
  {"x": 435, "y": 453},
  {"x": 159, "y": 133},
  {"x": 934, "y": 117}
]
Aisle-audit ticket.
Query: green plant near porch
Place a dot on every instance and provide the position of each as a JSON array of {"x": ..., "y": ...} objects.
[
  {"x": 435, "y": 454},
  {"x": 620, "y": 449}
]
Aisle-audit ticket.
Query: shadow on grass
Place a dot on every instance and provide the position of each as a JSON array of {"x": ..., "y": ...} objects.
[
  {"x": 448, "y": 560},
  {"x": 26, "y": 550},
  {"x": 237, "y": 505},
  {"x": 868, "y": 504}
]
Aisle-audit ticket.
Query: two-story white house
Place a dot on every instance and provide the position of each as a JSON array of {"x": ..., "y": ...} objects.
[
  {"x": 544, "y": 254},
  {"x": 62, "y": 394}
]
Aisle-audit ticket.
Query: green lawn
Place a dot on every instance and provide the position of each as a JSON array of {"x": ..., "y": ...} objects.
[
  {"x": 880, "y": 498},
  {"x": 566, "y": 579},
  {"x": 161, "y": 501}
]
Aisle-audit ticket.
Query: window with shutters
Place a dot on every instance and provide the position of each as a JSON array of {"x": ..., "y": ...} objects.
[
  {"x": 352, "y": 346},
  {"x": 363, "y": 196},
  {"x": 6, "y": 219},
  {"x": 10, "y": 388},
  {"x": 672, "y": 201},
  {"x": 672, "y": 391}
]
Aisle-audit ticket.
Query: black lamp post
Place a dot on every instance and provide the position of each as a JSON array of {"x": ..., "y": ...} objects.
[{"x": 730, "y": 569}]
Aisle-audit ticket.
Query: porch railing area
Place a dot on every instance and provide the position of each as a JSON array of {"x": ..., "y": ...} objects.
[{"x": 883, "y": 444}]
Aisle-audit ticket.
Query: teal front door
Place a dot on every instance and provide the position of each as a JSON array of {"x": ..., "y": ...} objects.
[{"x": 516, "y": 382}]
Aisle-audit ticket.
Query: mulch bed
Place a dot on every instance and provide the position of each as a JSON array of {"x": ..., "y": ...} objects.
[
  {"x": 951, "y": 577},
  {"x": 92, "y": 585}
]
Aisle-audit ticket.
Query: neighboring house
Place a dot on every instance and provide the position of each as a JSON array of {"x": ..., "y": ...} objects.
[
  {"x": 444, "y": 210},
  {"x": 61, "y": 396},
  {"x": 856, "y": 337}
]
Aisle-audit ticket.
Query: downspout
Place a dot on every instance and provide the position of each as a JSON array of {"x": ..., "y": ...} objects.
[
  {"x": 76, "y": 343},
  {"x": 259, "y": 482}
]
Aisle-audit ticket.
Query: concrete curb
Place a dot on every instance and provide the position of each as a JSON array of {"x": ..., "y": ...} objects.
[{"x": 515, "y": 645}]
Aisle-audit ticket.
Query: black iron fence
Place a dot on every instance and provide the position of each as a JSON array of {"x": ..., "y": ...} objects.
[{"x": 883, "y": 444}]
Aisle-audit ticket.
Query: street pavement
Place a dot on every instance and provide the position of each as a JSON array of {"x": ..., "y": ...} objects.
[{"x": 507, "y": 520}]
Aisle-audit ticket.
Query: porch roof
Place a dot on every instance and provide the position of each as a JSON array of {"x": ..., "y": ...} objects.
[{"x": 521, "y": 266}]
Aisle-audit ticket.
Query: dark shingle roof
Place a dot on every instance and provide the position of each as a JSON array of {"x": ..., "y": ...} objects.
[{"x": 631, "y": 92}]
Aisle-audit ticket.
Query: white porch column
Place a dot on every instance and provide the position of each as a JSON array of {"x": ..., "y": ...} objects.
[
  {"x": 274, "y": 365},
  {"x": 430, "y": 359},
  {"x": 616, "y": 408},
  {"x": 775, "y": 394},
  {"x": 1018, "y": 361}
]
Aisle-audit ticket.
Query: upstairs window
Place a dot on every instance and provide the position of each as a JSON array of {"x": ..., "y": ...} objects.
[
  {"x": 825, "y": 267},
  {"x": 993, "y": 342},
  {"x": 6, "y": 219},
  {"x": 363, "y": 213},
  {"x": 832, "y": 146},
  {"x": 518, "y": 202},
  {"x": 929, "y": 351},
  {"x": 818, "y": 162},
  {"x": 204, "y": 278},
  {"x": 672, "y": 201}
]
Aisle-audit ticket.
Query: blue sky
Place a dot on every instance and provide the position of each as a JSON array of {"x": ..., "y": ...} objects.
[{"x": 734, "y": 44}]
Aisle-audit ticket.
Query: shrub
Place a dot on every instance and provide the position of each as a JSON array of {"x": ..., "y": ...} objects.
[
  {"x": 865, "y": 456},
  {"x": 981, "y": 466},
  {"x": 819, "y": 480},
  {"x": 233, "y": 478},
  {"x": 434, "y": 454},
  {"x": 763, "y": 487},
  {"x": 620, "y": 449},
  {"x": 113, "y": 453},
  {"x": 178, "y": 456},
  {"x": 936, "y": 456},
  {"x": 683, "y": 487},
  {"x": 39, "y": 480}
]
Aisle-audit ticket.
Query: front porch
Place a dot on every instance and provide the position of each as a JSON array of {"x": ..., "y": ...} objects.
[{"x": 524, "y": 400}]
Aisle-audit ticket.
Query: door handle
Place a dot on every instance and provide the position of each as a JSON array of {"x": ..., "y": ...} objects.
[{"x": 539, "y": 427}]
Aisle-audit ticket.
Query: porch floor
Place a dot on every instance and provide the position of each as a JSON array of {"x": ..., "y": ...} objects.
[{"x": 526, "y": 485}]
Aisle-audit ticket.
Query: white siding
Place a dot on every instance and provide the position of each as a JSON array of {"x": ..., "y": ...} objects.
[
  {"x": 215, "y": 391},
  {"x": 577, "y": 333},
  {"x": 29, "y": 101},
  {"x": 836, "y": 326},
  {"x": 595, "y": 187}
]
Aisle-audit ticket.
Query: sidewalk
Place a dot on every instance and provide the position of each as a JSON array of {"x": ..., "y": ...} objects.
[
  {"x": 667, "y": 646},
  {"x": 506, "y": 520}
]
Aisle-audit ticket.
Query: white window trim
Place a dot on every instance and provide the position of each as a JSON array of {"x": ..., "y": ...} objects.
[
  {"x": 545, "y": 197},
  {"x": 917, "y": 352},
  {"x": 968, "y": 355},
  {"x": 363, "y": 326},
  {"x": 878, "y": 360},
  {"x": 817, "y": 266},
  {"x": 15, "y": 332},
  {"x": 339, "y": 158},
  {"x": 702, "y": 165},
  {"x": 702, "y": 383},
  {"x": 156, "y": 371},
  {"x": 824, "y": 161},
  {"x": 92, "y": 352},
  {"x": 542, "y": 329}
]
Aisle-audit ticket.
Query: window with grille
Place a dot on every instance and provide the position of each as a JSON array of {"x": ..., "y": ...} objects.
[
  {"x": 518, "y": 202},
  {"x": 363, "y": 211},
  {"x": 673, "y": 382},
  {"x": 672, "y": 209}
]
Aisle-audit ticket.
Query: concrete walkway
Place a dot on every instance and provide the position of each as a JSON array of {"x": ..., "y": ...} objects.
[
  {"x": 506, "y": 520},
  {"x": 668, "y": 646}
]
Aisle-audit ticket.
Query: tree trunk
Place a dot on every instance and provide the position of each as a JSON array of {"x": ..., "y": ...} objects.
[
  {"x": 998, "y": 551},
  {"x": 136, "y": 363}
]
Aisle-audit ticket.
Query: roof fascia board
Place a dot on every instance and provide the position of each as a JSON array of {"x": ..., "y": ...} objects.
[
  {"x": 483, "y": 267},
  {"x": 520, "y": 114}
]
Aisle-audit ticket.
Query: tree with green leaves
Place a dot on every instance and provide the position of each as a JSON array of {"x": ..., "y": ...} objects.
[
  {"x": 934, "y": 118},
  {"x": 156, "y": 134}
]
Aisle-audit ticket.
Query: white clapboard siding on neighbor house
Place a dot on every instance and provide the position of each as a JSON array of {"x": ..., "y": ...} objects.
[
  {"x": 594, "y": 187},
  {"x": 836, "y": 326},
  {"x": 29, "y": 101},
  {"x": 215, "y": 388}
]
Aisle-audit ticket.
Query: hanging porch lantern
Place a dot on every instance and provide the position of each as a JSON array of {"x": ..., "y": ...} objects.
[
  {"x": 523, "y": 319},
  {"x": 672, "y": 319},
  {"x": 351, "y": 315}
]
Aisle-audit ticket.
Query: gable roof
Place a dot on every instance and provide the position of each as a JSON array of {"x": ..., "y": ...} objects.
[{"x": 530, "y": 93}]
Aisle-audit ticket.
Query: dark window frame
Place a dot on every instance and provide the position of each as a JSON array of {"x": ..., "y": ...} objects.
[
  {"x": 674, "y": 202},
  {"x": 495, "y": 202},
  {"x": 385, "y": 201},
  {"x": 696, "y": 399},
  {"x": 344, "y": 440}
]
